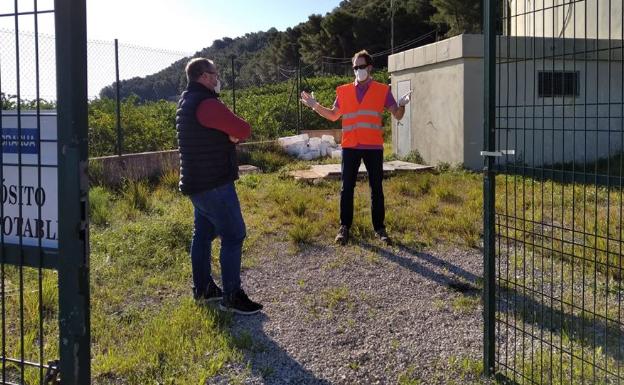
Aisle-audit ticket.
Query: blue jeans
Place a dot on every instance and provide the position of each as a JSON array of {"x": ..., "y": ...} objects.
[{"x": 217, "y": 214}]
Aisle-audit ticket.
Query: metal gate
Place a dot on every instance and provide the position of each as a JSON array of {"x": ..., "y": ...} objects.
[
  {"x": 44, "y": 279},
  {"x": 554, "y": 107}
]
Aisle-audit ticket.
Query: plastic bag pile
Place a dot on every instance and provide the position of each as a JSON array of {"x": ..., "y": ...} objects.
[{"x": 306, "y": 148}]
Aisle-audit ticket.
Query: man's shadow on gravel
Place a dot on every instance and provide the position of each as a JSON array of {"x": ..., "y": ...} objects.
[
  {"x": 457, "y": 279},
  {"x": 267, "y": 359}
]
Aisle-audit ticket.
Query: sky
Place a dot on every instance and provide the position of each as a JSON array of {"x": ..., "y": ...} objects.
[
  {"x": 152, "y": 34},
  {"x": 181, "y": 25},
  {"x": 190, "y": 25}
]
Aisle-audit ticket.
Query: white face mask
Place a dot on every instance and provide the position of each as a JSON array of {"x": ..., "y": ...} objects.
[
  {"x": 217, "y": 88},
  {"x": 361, "y": 75}
]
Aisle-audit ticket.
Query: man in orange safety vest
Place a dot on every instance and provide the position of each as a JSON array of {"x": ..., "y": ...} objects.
[{"x": 361, "y": 104}]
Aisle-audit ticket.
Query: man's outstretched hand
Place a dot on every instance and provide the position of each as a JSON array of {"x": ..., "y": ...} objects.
[
  {"x": 308, "y": 99},
  {"x": 405, "y": 99}
]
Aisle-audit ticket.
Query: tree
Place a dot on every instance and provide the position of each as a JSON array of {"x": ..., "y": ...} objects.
[{"x": 461, "y": 16}]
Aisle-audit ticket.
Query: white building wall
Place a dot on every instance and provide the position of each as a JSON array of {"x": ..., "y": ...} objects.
[
  {"x": 591, "y": 19},
  {"x": 553, "y": 130},
  {"x": 447, "y": 103},
  {"x": 436, "y": 112},
  {"x": 436, "y": 73}
]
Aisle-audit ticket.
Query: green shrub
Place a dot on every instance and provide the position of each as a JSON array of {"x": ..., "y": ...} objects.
[
  {"x": 148, "y": 126},
  {"x": 414, "y": 157},
  {"x": 137, "y": 195},
  {"x": 171, "y": 179},
  {"x": 302, "y": 231},
  {"x": 269, "y": 157},
  {"x": 100, "y": 201}
]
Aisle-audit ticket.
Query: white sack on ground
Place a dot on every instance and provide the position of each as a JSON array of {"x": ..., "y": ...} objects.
[{"x": 306, "y": 148}]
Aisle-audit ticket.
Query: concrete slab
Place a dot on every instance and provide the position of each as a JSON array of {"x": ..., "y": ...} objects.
[
  {"x": 247, "y": 169},
  {"x": 333, "y": 171},
  {"x": 400, "y": 165}
]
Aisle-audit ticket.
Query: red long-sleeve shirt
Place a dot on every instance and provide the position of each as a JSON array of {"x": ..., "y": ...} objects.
[{"x": 212, "y": 113}]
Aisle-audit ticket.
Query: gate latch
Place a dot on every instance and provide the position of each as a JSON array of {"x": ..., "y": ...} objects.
[
  {"x": 498, "y": 153},
  {"x": 53, "y": 372}
]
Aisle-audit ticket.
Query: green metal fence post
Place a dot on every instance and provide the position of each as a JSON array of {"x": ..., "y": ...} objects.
[
  {"x": 489, "y": 184},
  {"x": 74, "y": 317}
]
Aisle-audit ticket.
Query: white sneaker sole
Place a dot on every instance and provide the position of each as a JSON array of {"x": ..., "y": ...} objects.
[{"x": 232, "y": 310}]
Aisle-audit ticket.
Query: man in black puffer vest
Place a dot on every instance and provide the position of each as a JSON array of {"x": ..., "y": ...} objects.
[{"x": 207, "y": 135}]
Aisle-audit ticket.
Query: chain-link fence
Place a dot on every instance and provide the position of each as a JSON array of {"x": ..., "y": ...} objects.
[
  {"x": 104, "y": 63},
  {"x": 132, "y": 89}
]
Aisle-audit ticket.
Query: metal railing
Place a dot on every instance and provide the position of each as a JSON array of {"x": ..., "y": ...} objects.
[
  {"x": 554, "y": 113},
  {"x": 44, "y": 281}
]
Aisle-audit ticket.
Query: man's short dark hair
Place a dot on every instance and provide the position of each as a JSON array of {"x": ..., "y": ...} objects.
[
  {"x": 197, "y": 66},
  {"x": 363, "y": 53}
]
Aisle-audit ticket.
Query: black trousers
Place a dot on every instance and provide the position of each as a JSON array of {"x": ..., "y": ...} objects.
[{"x": 373, "y": 160}]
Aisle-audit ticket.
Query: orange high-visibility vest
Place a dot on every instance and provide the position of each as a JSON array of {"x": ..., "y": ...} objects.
[{"x": 361, "y": 122}]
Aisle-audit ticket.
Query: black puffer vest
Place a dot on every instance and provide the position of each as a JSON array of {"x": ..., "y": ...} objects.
[{"x": 207, "y": 156}]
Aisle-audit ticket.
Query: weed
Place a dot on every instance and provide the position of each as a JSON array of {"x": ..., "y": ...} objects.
[
  {"x": 243, "y": 340},
  {"x": 466, "y": 368},
  {"x": 466, "y": 304},
  {"x": 250, "y": 181},
  {"x": 137, "y": 195},
  {"x": 302, "y": 231},
  {"x": 414, "y": 157},
  {"x": 267, "y": 372},
  {"x": 335, "y": 296},
  {"x": 447, "y": 195},
  {"x": 170, "y": 179},
  {"x": 100, "y": 201},
  {"x": 408, "y": 378}
]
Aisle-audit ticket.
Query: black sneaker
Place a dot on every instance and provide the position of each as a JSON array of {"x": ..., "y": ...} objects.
[
  {"x": 383, "y": 236},
  {"x": 343, "y": 235},
  {"x": 211, "y": 294},
  {"x": 239, "y": 303}
]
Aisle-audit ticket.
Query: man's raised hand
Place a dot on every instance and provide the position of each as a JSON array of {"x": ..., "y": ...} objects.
[
  {"x": 405, "y": 99},
  {"x": 308, "y": 99}
]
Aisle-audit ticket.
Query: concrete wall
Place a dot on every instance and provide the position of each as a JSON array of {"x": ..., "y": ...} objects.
[
  {"x": 113, "y": 170},
  {"x": 592, "y": 19},
  {"x": 447, "y": 103},
  {"x": 446, "y": 107},
  {"x": 550, "y": 130}
]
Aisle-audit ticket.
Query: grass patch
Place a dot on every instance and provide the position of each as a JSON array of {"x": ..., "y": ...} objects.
[
  {"x": 408, "y": 377},
  {"x": 269, "y": 157},
  {"x": 136, "y": 195},
  {"x": 465, "y": 304},
  {"x": 146, "y": 330},
  {"x": 333, "y": 297},
  {"x": 302, "y": 231},
  {"x": 170, "y": 179},
  {"x": 181, "y": 343},
  {"x": 100, "y": 203}
]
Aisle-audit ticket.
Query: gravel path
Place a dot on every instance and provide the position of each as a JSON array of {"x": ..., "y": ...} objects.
[{"x": 361, "y": 314}]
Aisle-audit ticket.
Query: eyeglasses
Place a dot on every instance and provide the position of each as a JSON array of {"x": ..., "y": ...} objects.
[{"x": 360, "y": 67}]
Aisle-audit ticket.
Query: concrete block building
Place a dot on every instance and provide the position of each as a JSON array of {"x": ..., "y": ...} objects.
[{"x": 559, "y": 88}]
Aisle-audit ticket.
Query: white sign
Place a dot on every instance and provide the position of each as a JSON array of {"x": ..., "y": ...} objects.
[{"x": 29, "y": 179}]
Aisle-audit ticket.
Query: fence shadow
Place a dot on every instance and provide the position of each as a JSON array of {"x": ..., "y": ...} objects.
[{"x": 584, "y": 328}]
